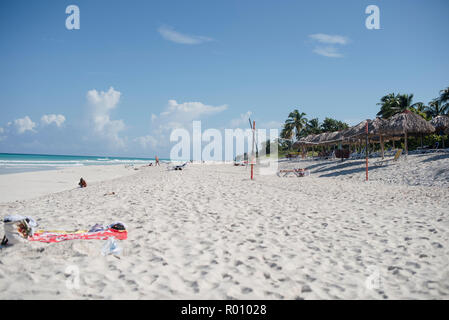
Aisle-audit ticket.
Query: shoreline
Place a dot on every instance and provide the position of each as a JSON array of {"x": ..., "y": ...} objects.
[
  {"x": 33, "y": 184},
  {"x": 431, "y": 170}
]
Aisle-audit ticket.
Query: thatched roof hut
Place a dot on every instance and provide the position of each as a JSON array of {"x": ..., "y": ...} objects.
[
  {"x": 406, "y": 123},
  {"x": 356, "y": 131},
  {"x": 304, "y": 141},
  {"x": 374, "y": 128},
  {"x": 340, "y": 135},
  {"x": 315, "y": 139},
  {"x": 440, "y": 122},
  {"x": 359, "y": 131},
  {"x": 326, "y": 137}
]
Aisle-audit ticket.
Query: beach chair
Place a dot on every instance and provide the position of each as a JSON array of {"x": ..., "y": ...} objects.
[
  {"x": 389, "y": 152},
  {"x": 178, "y": 167},
  {"x": 240, "y": 163},
  {"x": 435, "y": 148},
  {"x": 297, "y": 172},
  {"x": 359, "y": 155},
  {"x": 395, "y": 159}
]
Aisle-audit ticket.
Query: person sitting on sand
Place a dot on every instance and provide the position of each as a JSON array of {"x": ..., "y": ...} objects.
[{"x": 82, "y": 183}]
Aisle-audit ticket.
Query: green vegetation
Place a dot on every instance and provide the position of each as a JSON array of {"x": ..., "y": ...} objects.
[
  {"x": 392, "y": 104},
  {"x": 298, "y": 126}
]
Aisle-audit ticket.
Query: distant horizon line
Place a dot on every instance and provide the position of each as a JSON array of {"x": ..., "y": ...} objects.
[{"x": 71, "y": 155}]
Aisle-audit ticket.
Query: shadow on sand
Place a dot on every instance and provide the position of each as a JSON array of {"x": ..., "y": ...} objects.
[
  {"x": 340, "y": 165},
  {"x": 436, "y": 157},
  {"x": 343, "y": 172}
]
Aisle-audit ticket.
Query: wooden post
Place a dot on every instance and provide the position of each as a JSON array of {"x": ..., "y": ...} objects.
[
  {"x": 382, "y": 145},
  {"x": 405, "y": 144},
  {"x": 252, "y": 160},
  {"x": 366, "y": 152}
]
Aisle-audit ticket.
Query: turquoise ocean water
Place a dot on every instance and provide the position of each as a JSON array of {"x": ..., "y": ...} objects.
[{"x": 14, "y": 163}]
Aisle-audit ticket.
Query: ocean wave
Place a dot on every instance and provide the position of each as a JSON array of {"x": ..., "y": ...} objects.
[
  {"x": 37, "y": 165},
  {"x": 67, "y": 163},
  {"x": 40, "y": 161}
]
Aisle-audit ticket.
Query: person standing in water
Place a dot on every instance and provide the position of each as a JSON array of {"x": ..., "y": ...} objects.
[{"x": 157, "y": 161}]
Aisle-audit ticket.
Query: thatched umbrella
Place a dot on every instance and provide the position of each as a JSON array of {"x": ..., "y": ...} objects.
[
  {"x": 311, "y": 138},
  {"x": 315, "y": 139},
  {"x": 359, "y": 131},
  {"x": 325, "y": 137},
  {"x": 301, "y": 143},
  {"x": 304, "y": 141},
  {"x": 334, "y": 137},
  {"x": 340, "y": 135},
  {"x": 405, "y": 123},
  {"x": 375, "y": 129},
  {"x": 356, "y": 131},
  {"x": 441, "y": 123}
]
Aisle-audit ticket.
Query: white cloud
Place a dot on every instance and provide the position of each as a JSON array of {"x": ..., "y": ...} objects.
[
  {"x": 330, "y": 52},
  {"x": 188, "y": 111},
  {"x": 147, "y": 141},
  {"x": 329, "y": 39},
  {"x": 24, "y": 124},
  {"x": 102, "y": 104},
  {"x": 2, "y": 130},
  {"x": 153, "y": 117},
  {"x": 242, "y": 121},
  {"x": 48, "y": 119},
  {"x": 170, "y": 34},
  {"x": 176, "y": 115}
]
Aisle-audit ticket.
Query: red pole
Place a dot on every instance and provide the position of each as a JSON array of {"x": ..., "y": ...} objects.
[
  {"x": 252, "y": 160},
  {"x": 366, "y": 130}
]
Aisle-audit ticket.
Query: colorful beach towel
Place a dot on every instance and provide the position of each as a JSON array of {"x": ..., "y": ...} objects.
[
  {"x": 20, "y": 229},
  {"x": 116, "y": 230}
]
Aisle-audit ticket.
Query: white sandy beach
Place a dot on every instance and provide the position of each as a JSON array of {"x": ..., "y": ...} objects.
[{"x": 208, "y": 232}]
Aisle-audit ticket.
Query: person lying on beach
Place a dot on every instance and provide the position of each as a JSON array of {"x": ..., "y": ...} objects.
[
  {"x": 82, "y": 183},
  {"x": 109, "y": 194}
]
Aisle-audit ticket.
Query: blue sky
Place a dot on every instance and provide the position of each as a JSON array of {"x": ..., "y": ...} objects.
[{"x": 136, "y": 69}]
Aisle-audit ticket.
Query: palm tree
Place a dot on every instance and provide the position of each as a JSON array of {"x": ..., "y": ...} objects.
[
  {"x": 287, "y": 131},
  {"x": 312, "y": 127},
  {"x": 444, "y": 95},
  {"x": 421, "y": 109},
  {"x": 296, "y": 121},
  {"x": 436, "y": 108},
  {"x": 387, "y": 103},
  {"x": 392, "y": 104},
  {"x": 444, "y": 99},
  {"x": 332, "y": 125}
]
